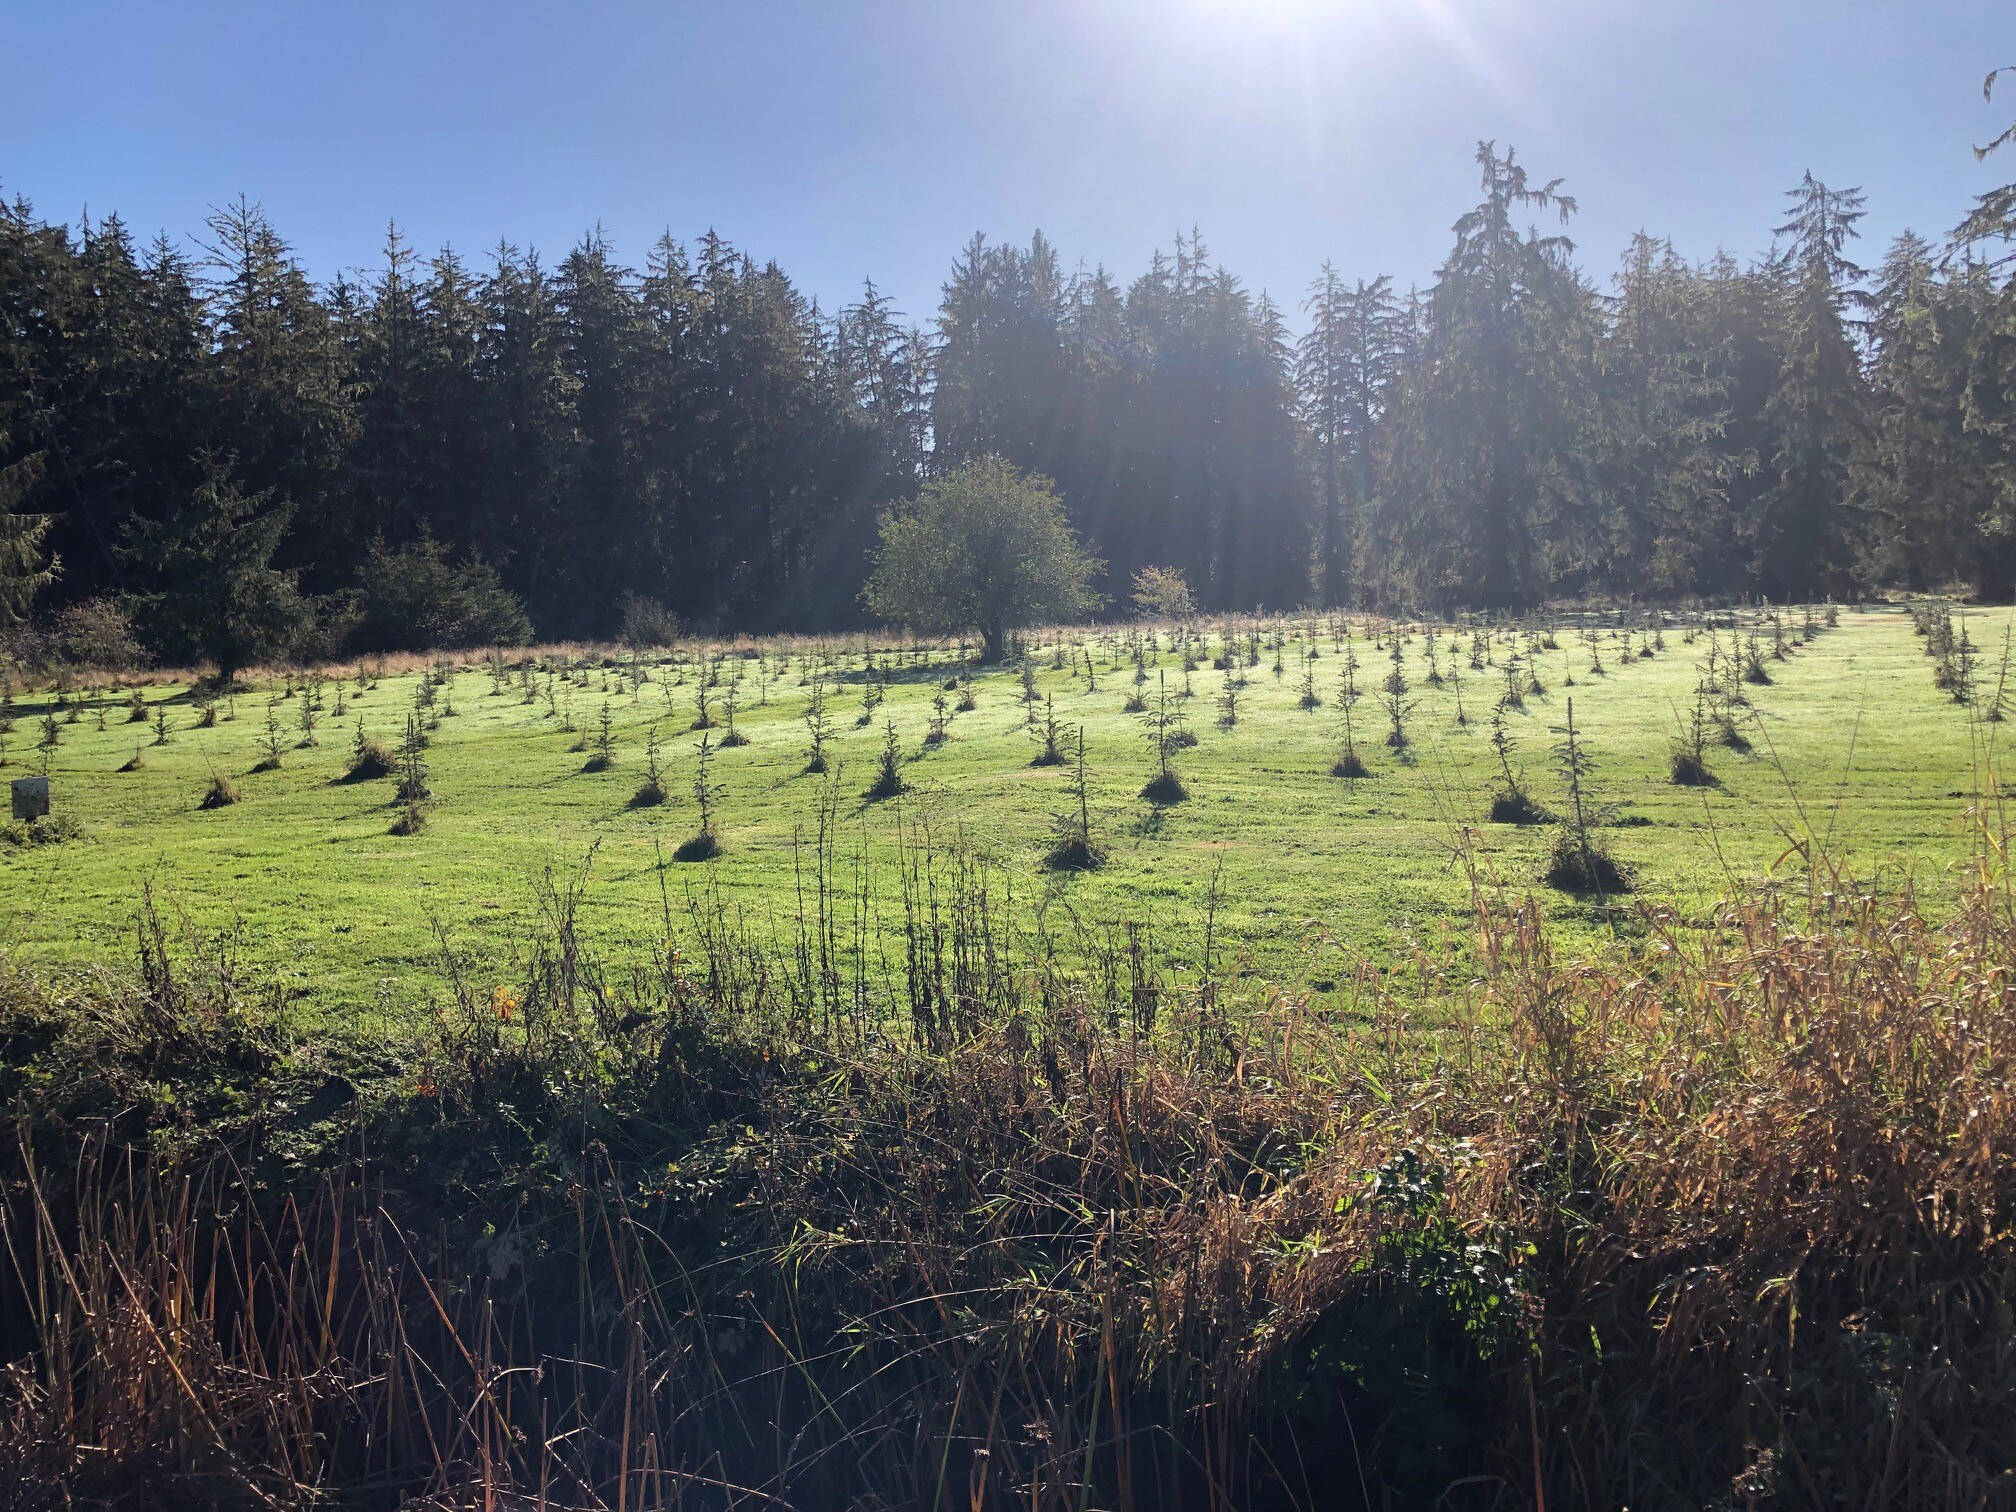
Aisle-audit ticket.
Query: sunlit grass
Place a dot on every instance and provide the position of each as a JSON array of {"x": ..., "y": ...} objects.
[{"x": 1853, "y": 743}]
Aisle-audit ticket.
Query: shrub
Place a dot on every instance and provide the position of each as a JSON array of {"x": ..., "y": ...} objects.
[
  {"x": 983, "y": 547},
  {"x": 98, "y": 633},
  {"x": 221, "y": 793},
  {"x": 49, "y": 829},
  {"x": 1515, "y": 806},
  {"x": 415, "y": 597},
  {"x": 1163, "y": 593},
  {"x": 646, "y": 623}
]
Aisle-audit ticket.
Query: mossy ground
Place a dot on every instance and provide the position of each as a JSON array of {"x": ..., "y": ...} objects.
[{"x": 1853, "y": 744}]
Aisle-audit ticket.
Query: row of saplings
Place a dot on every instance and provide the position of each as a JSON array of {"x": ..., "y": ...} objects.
[
  {"x": 369, "y": 759},
  {"x": 1577, "y": 861}
]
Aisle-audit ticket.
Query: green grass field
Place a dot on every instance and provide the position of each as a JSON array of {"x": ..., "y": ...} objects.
[{"x": 1853, "y": 743}]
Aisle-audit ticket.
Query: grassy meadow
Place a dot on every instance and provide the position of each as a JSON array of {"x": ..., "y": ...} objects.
[
  {"x": 1853, "y": 746},
  {"x": 1408, "y": 1195}
]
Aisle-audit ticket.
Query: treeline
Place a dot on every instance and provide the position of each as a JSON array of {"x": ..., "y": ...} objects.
[{"x": 445, "y": 451}]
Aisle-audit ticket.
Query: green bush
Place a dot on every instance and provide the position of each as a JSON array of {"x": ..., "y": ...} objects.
[{"x": 415, "y": 597}]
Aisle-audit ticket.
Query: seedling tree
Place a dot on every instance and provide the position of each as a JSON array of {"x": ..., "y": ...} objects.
[
  {"x": 651, "y": 792},
  {"x": 1348, "y": 763},
  {"x": 604, "y": 742},
  {"x": 1994, "y": 713},
  {"x": 1753, "y": 662},
  {"x": 703, "y": 718},
  {"x": 1511, "y": 804},
  {"x": 270, "y": 742},
  {"x": 1578, "y": 863},
  {"x": 1690, "y": 751},
  {"x": 1074, "y": 849},
  {"x": 889, "y": 781},
  {"x": 413, "y": 763},
  {"x": 368, "y": 759},
  {"x": 730, "y": 701},
  {"x": 1398, "y": 707},
  {"x": 412, "y": 791},
  {"x": 1052, "y": 753},
  {"x": 1963, "y": 667},
  {"x": 1162, "y": 724},
  {"x": 705, "y": 845},
  {"x": 818, "y": 724}
]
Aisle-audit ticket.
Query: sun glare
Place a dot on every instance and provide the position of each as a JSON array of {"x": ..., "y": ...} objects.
[{"x": 1273, "y": 17}]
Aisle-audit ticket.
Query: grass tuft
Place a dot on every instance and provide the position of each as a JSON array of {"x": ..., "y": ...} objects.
[
  {"x": 704, "y": 846},
  {"x": 1584, "y": 867},
  {"x": 1517, "y": 808}
]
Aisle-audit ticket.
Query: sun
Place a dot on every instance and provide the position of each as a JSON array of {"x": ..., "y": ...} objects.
[{"x": 1273, "y": 15}]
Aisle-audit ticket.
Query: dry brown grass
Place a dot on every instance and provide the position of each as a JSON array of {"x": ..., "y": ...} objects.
[{"x": 1721, "y": 1219}]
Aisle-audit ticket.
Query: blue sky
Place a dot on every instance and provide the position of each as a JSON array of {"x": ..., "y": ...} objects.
[{"x": 852, "y": 139}]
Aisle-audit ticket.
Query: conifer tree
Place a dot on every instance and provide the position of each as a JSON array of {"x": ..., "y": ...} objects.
[
  {"x": 23, "y": 568},
  {"x": 221, "y": 599}
]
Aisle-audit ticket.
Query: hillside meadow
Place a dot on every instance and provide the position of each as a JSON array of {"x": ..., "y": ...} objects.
[
  {"x": 1294, "y": 874},
  {"x": 1312, "y": 1150}
]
